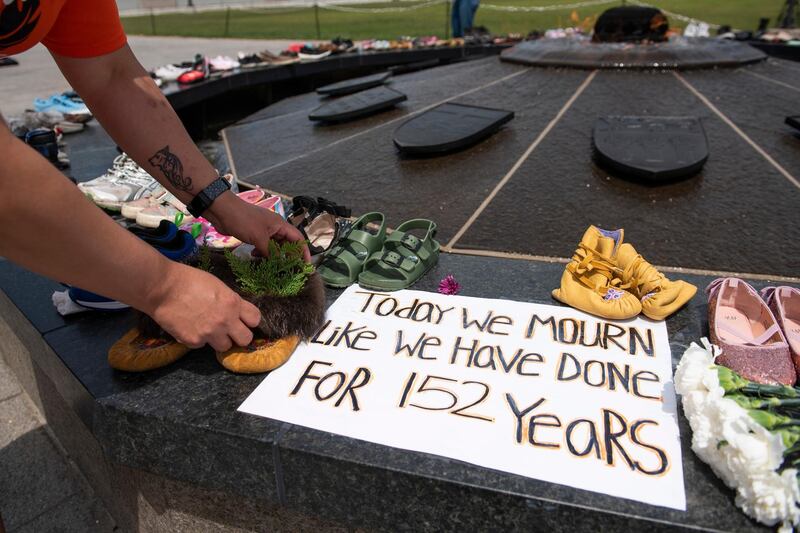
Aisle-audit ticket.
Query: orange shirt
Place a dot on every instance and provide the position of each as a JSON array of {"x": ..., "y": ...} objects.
[{"x": 73, "y": 28}]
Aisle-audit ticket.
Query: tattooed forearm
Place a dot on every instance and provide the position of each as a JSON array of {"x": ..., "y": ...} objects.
[{"x": 172, "y": 168}]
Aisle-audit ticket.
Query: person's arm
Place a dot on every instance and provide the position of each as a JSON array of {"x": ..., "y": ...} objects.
[
  {"x": 133, "y": 111},
  {"x": 49, "y": 227}
]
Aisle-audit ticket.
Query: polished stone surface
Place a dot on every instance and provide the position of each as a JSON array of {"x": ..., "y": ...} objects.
[
  {"x": 181, "y": 422},
  {"x": 722, "y": 219},
  {"x": 290, "y": 155},
  {"x": 549, "y": 189}
]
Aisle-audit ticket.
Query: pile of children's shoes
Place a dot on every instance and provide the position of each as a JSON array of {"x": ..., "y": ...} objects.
[
  {"x": 608, "y": 278},
  {"x": 68, "y": 103}
]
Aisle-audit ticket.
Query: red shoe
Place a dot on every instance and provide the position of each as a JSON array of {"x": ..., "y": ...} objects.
[
  {"x": 200, "y": 71},
  {"x": 192, "y": 76}
]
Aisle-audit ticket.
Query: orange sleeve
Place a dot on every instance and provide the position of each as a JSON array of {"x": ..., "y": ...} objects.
[{"x": 86, "y": 28}]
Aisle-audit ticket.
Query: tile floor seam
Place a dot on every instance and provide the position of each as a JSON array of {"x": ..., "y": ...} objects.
[
  {"x": 783, "y": 64},
  {"x": 392, "y": 121},
  {"x": 42, "y": 512},
  {"x": 280, "y": 483},
  {"x": 524, "y": 157},
  {"x": 673, "y": 269},
  {"x": 9, "y": 397},
  {"x": 771, "y": 80},
  {"x": 228, "y": 155},
  {"x": 700, "y": 96}
]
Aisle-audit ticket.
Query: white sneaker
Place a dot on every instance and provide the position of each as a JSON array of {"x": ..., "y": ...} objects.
[
  {"x": 169, "y": 72},
  {"x": 221, "y": 63},
  {"x": 124, "y": 182},
  {"x": 151, "y": 217},
  {"x": 50, "y": 120}
]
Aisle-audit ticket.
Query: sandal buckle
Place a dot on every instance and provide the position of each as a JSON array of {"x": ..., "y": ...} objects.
[
  {"x": 392, "y": 258},
  {"x": 411, "y": 242}
]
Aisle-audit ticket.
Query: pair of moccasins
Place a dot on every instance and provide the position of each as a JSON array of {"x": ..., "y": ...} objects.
[
  {"x": 285, "y": 322},
  {"x": 608, "y": 278},
  {"x": 758, "y": 333}
]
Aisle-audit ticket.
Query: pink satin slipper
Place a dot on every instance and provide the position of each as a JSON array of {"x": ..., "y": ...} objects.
[
  {"x": 742, "y": 325},
  {"x": 209, "y": 236},
  {"x": 785, "y": 305}
]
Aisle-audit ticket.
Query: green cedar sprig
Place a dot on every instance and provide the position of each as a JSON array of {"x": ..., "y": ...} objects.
[
  {"x": 204, "y": 261},
  {"x": 283, "y": 273}
]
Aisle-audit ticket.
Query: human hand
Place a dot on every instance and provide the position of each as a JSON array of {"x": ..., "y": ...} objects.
[
  {"x": 197, "y": 309},
  {"x": 253, "y": 225}
]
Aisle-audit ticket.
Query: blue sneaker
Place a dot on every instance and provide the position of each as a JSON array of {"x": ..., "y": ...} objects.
[
  {"x": 61, "y": 104},
  {"x": 91, "y": 300},
  {"x": 179, "y": 249},
  {"x": 164, "y": 234}
]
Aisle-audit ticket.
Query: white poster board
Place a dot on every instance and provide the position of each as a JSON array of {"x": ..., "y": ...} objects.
[{"x": 536, "y": 390}]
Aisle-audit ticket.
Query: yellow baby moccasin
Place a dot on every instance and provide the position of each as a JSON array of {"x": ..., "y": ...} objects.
[
  {"x": 135, "y": 352},
  {"x": 259, "y": 356},
  {"x": 660, "y": 296},
  {"x": 591, "y": 280}
]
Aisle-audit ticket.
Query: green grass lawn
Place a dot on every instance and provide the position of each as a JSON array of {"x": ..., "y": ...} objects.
[{"x": 432, "y": 20}]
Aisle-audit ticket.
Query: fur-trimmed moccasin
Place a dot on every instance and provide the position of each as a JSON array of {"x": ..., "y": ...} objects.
[{"x": 285, "y": 322}]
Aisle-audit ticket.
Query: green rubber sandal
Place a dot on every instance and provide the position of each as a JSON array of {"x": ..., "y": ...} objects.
[
  {"x": 404, "y": 258},
  {"x": 345, "y": 261}
]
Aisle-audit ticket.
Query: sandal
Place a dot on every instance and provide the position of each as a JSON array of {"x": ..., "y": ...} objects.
[
  {"x": 344, "y": 262},
  {"x": 404, "y": 258},
  {"x": 318, "y": 221}
]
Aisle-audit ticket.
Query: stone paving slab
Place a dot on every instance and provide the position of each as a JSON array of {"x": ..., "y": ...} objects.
[
  {"x": 257, "y": 146},
  {"x": 367, "y": 173},
  {"x": 733, "y": 92},
  {"x": 76, "y": 514},
  {"x": 35, "y": 476},
  {"x": 714, "y": 221},
  {"x": 783, "y": 71},
  {"x": 8, "y": 383},
  {"x": 723, "y": 219}
]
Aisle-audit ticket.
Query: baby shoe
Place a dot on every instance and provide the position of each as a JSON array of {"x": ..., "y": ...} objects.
[
  {"x": 138, "y": 351},
  {"x": 590, "y": 281},
  {"x": 660, "y": 297},
  {"x": 742, "y": 325},
  {"x": 785, "y": 305}
]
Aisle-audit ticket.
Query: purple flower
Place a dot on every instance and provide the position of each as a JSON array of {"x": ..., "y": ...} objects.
[{"x": 449, "y": 285}]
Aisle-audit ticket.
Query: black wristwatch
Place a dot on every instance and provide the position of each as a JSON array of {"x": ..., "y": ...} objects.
[{"x": 206, "y": 197}]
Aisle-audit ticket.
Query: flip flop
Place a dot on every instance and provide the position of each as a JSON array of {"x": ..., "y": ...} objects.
[
  {"x": 135, "y": 352},
  {"x": 345, "y": 261},
  {"x": 404, "y": 258}
]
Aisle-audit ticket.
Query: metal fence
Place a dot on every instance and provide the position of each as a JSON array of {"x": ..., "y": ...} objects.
[{"x": 142, "y": 7}]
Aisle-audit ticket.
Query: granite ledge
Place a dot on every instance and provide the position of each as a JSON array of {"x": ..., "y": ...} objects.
[{"x": 181, "y": 423}]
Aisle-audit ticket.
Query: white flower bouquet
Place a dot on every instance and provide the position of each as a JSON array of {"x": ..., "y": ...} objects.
[{"x": 747, "y": 432}]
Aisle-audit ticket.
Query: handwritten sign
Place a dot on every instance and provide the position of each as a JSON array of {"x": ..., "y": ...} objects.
[{"x": 536, "y": 390}]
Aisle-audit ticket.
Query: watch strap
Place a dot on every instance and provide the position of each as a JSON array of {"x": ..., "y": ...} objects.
[{"x": 206, "y": 197}]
